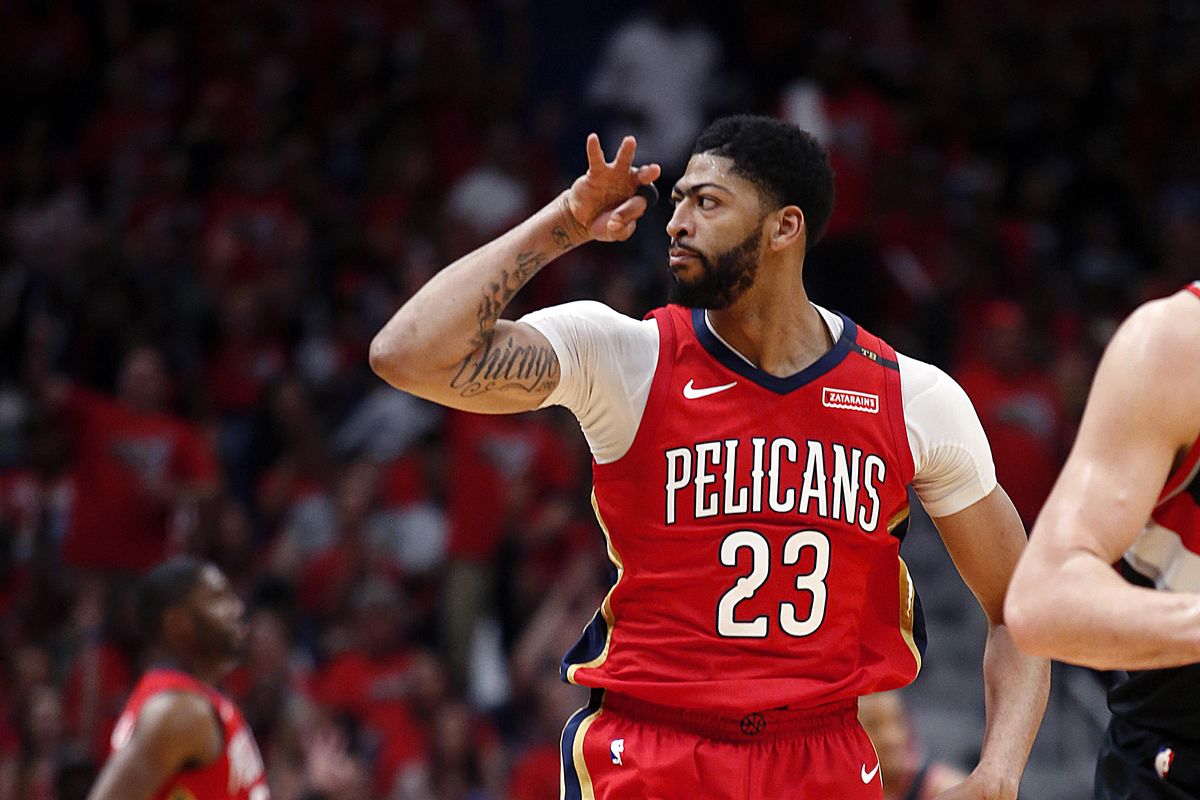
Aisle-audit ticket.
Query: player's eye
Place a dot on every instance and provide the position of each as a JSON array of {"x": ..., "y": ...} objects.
[{"x": 706, "y": 202}]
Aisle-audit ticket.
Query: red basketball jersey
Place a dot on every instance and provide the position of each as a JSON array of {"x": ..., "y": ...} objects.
[
  {"x": 236, "y": 775},
  {"x": 754, "y": 527}
]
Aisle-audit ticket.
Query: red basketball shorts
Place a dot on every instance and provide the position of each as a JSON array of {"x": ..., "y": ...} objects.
[{"x": 618, "y": 748}]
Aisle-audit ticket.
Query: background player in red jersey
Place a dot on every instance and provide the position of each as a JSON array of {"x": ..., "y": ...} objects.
[
  {"x": 1129, "y": 495},
  {"x": 751, "y": 458},
  {"x": 178, "y": 737}
]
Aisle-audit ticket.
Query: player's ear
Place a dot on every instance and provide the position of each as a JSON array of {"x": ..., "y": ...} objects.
[{"x": 787, "y": 229}]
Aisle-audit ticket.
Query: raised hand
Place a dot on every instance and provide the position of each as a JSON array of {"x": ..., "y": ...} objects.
[{"x": 603, "y": 201}]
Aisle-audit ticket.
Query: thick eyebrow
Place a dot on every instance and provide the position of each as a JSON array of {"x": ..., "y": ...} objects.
[{"x": 677, "y": 192}]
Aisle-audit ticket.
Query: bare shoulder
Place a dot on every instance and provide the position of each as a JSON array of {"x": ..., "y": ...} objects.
[
  {"x": 1147, "y": 383},
  {"x": 1161, "y": 332}
]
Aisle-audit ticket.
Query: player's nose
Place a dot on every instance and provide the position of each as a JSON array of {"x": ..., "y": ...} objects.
[{"x": 679, "y": 225}]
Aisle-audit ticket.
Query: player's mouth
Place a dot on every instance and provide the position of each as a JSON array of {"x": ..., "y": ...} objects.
[{"x": 678, "y": 257}]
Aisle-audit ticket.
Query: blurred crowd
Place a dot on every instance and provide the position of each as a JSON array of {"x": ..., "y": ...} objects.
[{"x": 208, "y": 209}]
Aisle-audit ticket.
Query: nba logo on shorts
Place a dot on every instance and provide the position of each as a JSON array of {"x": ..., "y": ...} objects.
[
  {"x": 1162, "y": 762},
  {"x": 617, "y": 747}
]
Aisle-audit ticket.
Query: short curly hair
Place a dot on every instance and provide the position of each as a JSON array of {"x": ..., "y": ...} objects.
[
  {"x": 787, "y": 165},
  {"x": 164, "y": 587}
]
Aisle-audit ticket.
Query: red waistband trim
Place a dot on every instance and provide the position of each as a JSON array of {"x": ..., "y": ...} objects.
[{"x": 752, "y": 726}]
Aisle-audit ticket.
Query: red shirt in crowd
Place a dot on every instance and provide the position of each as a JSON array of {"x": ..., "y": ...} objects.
[
  {"x": 375, "y": 691},
  {"x": 535, "y": 774},
  {"x": 500, "y": 466},
  {"x": 120, "y": 455},
  {"x": 1022, "y": 417}
]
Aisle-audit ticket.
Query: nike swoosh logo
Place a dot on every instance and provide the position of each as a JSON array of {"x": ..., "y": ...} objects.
[
  {"x": 867, "y": 777},
  {"x": 692, "y": 393}
]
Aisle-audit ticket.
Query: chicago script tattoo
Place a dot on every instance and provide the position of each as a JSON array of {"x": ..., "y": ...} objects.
[{"x": 509, "y": 365}]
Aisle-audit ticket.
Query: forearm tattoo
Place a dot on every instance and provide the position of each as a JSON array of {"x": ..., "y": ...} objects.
[
  {"x": 496, "y": 295},
  {"x": 490, "y": 367},
  {"x": 562, "y": 238}
]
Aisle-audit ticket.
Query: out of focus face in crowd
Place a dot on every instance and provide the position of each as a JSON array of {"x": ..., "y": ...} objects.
[
  {"x": 885, "y": 719},
  {"x": 1007, "y": 336},
  {"x": 716, "y": 233},
  {"x": 143, "y": 380},
  {"x": 378, "y": 618},
  {"x": 45, "y": 717},
  {"x": 267, "y": 646}
]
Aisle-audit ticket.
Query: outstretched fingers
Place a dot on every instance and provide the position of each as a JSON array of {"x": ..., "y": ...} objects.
[
  {"x": 624, "y": 160},
  {"x": 595, "y": 154}
]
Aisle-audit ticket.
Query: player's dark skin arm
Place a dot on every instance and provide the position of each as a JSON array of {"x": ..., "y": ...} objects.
[
  {"x": 985, "y": 541},
  {"x": 174, "y": 731},
  {"x": 448, "y": 343}
]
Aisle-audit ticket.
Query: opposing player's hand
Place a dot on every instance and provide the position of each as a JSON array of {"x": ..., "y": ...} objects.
[
  {"x": 978, "y": 786},
  {"x": 603, "y": 201}
]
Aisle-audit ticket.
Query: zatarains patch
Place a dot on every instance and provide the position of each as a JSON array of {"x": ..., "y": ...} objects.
[{"x": 854, "y": 401}]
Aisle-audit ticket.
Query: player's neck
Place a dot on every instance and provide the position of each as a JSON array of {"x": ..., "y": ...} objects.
[
  {"x": 199, "y": 668},
  {"x": 779, "y": 336}
]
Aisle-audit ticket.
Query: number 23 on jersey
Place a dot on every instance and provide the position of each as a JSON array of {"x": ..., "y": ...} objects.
[{"x": 761, "y": 560}]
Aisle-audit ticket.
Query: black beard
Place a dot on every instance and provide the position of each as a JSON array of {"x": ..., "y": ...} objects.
[{"x": 722, "y": 280}]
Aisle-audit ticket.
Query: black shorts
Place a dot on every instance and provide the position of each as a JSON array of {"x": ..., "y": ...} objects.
[{"x": 1126, "y": 768}]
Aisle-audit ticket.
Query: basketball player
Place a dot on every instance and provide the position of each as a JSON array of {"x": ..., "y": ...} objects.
[
  {"x": 752, "y": 453},
  {"x": 1129, "y": 495},
  {"x": 179, "y": 738}
]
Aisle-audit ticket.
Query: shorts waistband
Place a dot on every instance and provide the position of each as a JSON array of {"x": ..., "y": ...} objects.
[{"x": 755, "y": 725}]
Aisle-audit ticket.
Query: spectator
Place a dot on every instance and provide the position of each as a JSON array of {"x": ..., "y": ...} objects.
[
  {"x": 907, "y": 773},
  {"x": 242, "y": 189},
  {"x": 1019, "y": 406},
  {"x": 140, "y": 473},
  {"x": 657, "y": 80}
]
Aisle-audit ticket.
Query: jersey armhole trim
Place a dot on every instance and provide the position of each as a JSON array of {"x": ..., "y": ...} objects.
[
  {"x": 663, "y": 367},
  {"x": 1186, "y": 473},
  {"x": 895, "y": 406},
  {"x": 1183, "y": 476}
]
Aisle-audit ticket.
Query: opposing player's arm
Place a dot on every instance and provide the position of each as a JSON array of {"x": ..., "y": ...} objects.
[
  {"x": 985, "y": 540},
  {"x": 174, "y": 730},
  {"x": 448, "y": 343},
  {"x": 1143, "y": 413}
]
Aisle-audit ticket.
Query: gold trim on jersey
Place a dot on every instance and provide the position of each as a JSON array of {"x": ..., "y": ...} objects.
[
  {"x": 605, "y": 607},
  {"x": 586, "y": 791},
  {"x": 908, "y": 594}
]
